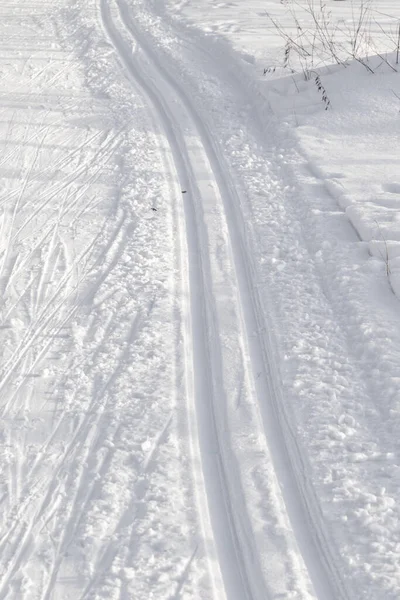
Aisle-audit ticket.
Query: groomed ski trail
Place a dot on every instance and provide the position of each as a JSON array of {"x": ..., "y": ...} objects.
[
  {"x": 222, "y": 299},
  {"x": 196, "y": 180}
]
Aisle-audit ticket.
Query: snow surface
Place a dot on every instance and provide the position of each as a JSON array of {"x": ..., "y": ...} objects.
[{"x": 200, "y": 276}]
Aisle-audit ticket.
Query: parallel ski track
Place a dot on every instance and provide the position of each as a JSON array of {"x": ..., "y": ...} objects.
[
  {"x": 302, "y": 504},
  {"x": 300, "y": 501},
  {"x": 241, "y": 579}
]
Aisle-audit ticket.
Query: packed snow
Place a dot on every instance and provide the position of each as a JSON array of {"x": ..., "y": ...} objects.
[{"x": 200, "y": 277}]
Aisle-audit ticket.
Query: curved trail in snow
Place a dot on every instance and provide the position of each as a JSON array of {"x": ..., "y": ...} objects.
[
  {"x": 196, "y": 178},
  {"x": 212, "y": 206}
]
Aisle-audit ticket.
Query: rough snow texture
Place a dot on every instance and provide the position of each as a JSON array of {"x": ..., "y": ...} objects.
[{"x": 199, "y": 321}]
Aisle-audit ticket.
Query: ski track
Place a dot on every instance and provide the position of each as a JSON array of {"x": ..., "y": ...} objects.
[
  {"x": 38, "y": 277},
  {"x": 85, "y": 389},
  {"x": 97, "y": 381},
  {"x": 231, "y": 532},
  {"x": 51, "y": 495},
  {"x": 374, "y": 567}
]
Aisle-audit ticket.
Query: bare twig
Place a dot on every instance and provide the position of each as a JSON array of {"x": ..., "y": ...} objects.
[
  {"x": 398, "y": 45},
  {"x": 385, "y": 257}
]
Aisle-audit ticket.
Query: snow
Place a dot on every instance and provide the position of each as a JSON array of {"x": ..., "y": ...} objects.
[{"x": 200, "y": 277}]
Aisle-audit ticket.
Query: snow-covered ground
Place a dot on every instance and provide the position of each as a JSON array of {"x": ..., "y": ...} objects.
[{"x": 200, "y": 286}]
